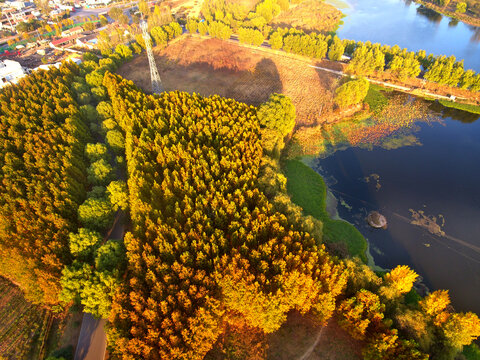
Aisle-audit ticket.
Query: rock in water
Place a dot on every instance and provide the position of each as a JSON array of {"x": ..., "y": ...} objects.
[{"x": 377, "y": 220}]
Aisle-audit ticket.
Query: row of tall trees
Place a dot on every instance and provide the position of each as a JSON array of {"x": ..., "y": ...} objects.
[
  {"x": 43, "y": 179},
  {"x": 94, "y": 274},
  {"x": 237, "y": 15},
  {"x": 366, "y": 58},
  {"x": 206, "y": 246}
]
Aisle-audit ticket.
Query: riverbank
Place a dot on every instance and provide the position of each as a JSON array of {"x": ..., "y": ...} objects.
[
  {"x": 308, "y": 190},
  {"x": 450, "y": 12},
  {"x": 310, "y": 16}
]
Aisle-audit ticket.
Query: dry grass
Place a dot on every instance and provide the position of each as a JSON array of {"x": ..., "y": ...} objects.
[
  {"x": 211, "y": 66},
  {"x": 65, "y": 331},
  {"x": 310, "y": 15},
  {"x": 298, "y": 335},
  {"x": 23, "y": 325},
  {"x": 186, "y": 8}
]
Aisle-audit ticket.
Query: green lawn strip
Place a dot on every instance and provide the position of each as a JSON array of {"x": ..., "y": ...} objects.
[
  {"x": 471, "y": 352},
  {"x": 465, "y": 107},
  {"x": 342, "y": 231},
  {"x": 375, "y": 98},
  {"x": 309, "y": 191}
]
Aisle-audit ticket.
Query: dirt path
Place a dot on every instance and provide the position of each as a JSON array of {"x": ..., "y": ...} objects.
[
  {"x": 92, "y": 342},
  {"x": 309, "y": 351}
]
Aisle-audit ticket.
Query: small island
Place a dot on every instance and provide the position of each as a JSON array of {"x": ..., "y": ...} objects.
[{"x": 377, "y": 220}]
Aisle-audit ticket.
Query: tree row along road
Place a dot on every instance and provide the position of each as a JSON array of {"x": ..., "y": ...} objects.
[
  {"x": 266, "y": 48},
  {"x": 92, "y": 342}
]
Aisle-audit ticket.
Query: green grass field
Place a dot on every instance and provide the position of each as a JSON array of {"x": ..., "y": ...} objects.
[
  {"x": 309, "y": 191},
  {"x": 475, "y": 109},
  {"x": 376, "y": 99}
]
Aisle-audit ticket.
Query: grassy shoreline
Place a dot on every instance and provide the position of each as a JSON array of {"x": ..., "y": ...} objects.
[
  {"x": 309, "y": 191},
  {"x": 451, "y": 14},
  {"x": 474, "y": 109}
]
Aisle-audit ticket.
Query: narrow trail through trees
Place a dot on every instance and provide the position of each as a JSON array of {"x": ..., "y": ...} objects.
[{"x": 313, "y": 346}]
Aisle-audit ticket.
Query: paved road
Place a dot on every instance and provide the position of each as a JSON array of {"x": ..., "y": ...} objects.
[{"x": 92, "y": 342}]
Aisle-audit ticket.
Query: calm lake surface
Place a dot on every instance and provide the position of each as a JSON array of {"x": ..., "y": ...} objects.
[
  {"x": 439, "y": 177},
  {"x": 411, "y": 26}
]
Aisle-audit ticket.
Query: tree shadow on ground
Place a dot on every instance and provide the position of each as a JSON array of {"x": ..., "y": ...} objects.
[{"x": 210, "y": 77}]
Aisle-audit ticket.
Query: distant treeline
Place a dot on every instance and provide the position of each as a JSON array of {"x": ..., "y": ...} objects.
[{"x": 366, "y": 58}]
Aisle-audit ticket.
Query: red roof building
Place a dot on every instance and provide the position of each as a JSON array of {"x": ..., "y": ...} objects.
[{"x": 70, "y": 40}]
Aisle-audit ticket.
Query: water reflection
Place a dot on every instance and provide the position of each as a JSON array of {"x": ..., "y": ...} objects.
[
  {"x": 476, "y": 34},
  {"x": 411, "y": 26},
  {"x": 429, "y": 14},
  {"x": 453, "y": 114},
  {"x": 432, "y": 212},
  {"x": 453, "y": 23}
]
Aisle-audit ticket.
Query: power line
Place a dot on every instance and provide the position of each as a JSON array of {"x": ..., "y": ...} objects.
[{"x": 157, "y": 86}]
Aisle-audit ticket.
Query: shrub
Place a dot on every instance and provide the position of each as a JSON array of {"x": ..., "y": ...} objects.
[
  {"x": 278, "y": 113},
  {"x": 96, "y": 214},
  {"x": 96, "y": 151},
  {"x": 116, "y": 141},
  {"x": 352, "y": 92},
  {"x": 118, "y": 195},
  {"x": 99, "y": 172},
  {"x": 461, "y": 7}
]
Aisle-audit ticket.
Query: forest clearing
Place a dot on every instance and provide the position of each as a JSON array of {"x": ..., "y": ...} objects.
[
  {"x": 213, "y": 66},
  {"x": 301, "y": 338}
]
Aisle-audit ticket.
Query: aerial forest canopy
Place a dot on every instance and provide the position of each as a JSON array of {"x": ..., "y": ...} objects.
[
  {"x": 42, "y": 179},
  {"x": 206, "y": 247}
]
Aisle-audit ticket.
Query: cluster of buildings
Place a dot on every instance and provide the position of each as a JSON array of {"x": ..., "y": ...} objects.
[
  {"x": 15, "y": 12},
  {"x": 17, "y": 63},
  {"x": 12, "y": 71}
]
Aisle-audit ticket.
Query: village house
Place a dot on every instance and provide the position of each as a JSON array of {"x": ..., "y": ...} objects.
[
  {"x": 10, "y": 72},
  {"x": 72, "y": 31}
]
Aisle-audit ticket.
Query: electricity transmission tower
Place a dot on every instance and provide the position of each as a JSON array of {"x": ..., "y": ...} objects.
[{"x": 157, "y": 86}]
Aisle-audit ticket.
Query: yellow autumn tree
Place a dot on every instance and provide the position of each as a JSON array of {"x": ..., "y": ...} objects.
[
  {"x": 361, "y": 313},
  {"x": 461, "y": 329},
  {"x": 398, "y": 281},
  {"x": 435, "y": 305}
]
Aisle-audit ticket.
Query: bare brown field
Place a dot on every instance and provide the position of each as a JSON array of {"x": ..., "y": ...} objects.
[
  {"x": 211, "y": 66},
  {"x": 300, "y": 338},
  {"x": 310, "y": 15}
]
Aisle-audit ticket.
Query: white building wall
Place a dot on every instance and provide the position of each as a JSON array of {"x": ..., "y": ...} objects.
[{"x": 10, "y": 72}]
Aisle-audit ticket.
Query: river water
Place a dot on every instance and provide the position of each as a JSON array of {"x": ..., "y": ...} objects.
[
  {"x": 430, "y": 195},
  {"x": 410, "y": 25},
  {"x": 429, "y": 191}
]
